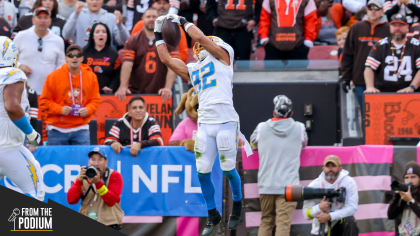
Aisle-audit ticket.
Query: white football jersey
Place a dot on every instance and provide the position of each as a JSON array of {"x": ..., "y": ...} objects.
[
  {"x": 11, "y": 135},
  {"x": 212, "y": 81}
]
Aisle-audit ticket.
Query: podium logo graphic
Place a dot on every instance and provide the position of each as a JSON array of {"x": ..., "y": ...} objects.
[{"x": 31, "y": 219}]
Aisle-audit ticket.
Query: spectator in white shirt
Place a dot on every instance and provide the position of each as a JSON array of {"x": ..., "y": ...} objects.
[{"x": 40, "y": 50}]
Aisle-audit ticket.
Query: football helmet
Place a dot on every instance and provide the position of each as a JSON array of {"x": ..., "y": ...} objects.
[
  {"x": 199, "y": 52},
  {"x": 9, "y": 52}
]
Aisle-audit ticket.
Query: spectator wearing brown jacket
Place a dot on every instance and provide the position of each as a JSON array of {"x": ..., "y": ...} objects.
[
  {"x": 361, "y": 37},
  {"x": 287, "y": 32}
]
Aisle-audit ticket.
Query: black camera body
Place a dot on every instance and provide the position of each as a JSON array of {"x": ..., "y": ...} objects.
[
  {"x": 398, "y": 186},
  {"x": 91, "y": 171},
  {"x": 297, "y": 193}
]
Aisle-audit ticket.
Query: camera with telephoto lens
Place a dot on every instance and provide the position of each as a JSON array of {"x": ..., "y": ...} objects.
[
  {"x": 297, "y": 193},
  {"x": 91, "y": 171},
  {"x": 397, "y": 186}
]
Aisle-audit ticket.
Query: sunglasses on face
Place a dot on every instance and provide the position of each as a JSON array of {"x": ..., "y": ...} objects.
[
  {"x": 40, "y": 44},
  {"x": 75, "y": 54},
  {"x": 374, "y": 8}
]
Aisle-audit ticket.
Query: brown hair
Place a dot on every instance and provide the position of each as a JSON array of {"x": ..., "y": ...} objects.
[
  {"x": 344, "y": 29},
  {"x": 54, "y": 12}
]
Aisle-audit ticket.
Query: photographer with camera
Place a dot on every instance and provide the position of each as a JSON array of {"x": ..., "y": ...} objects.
[
  {"x": 338, "y": 216},
  {"x": 100, "y": 189},
  {"x": 406, "y": 201}
]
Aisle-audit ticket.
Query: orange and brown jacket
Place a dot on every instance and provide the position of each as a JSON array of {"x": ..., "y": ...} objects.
[
  {"x": 57, "y": 93},
  {"x": 287, "y": 23}
]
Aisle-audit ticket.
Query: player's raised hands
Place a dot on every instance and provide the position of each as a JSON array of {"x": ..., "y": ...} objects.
[
  {"x": 158, "y": 23},
  {"x": 174, "y": 18},
  {"x": 79, "y": 7},
  {"x": 118, "y": 17}
]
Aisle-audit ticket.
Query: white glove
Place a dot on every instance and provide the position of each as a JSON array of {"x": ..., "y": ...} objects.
[
  {"x": 308, "y": 43},
  {"x": 158, "y": 23},
  {"x": 34, "y": 139},
  {"x": 174, "y": 18}
]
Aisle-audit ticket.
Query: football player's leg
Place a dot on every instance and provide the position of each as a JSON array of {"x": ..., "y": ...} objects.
[
  {"x": 227, "y": 143},
  {"x": 24, "y": 171},
  {"x": 205, "y": 153}
]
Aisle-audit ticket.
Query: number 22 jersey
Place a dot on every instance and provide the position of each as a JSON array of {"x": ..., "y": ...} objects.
[
  {"x": 406, "y": 62},
  {"x": 212, "y": 80}
]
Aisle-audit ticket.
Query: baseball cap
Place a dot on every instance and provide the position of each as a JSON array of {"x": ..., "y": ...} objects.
[
  {"x": 282, "y": 106},
  {"x": 378, "y": 3},
  {"x": 333, "y": 159},
  {"x": 41, "y": 9},
  {"x": 398, "y": 18},
  {"x": 74, "y": 46},
  {"x": 98, "y": 151}
]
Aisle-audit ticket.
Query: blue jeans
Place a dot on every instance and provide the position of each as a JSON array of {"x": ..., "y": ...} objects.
[
  {"x": 360, "y": 89},
  {"x": 56, "y": 138}
]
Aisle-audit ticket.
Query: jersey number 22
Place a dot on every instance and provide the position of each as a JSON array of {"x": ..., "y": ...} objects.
[{"x": 200, "y": 78}]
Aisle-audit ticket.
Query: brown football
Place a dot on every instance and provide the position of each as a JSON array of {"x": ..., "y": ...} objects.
[{"x": 171, "y": 33}]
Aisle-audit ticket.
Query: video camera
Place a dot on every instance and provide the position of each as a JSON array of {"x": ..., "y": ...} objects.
[
  {"x": 398, "y": 186},
  {"x": 297, "y": 193}
]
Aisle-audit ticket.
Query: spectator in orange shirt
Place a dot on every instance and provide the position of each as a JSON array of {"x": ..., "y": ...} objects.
[
  {"x": 70, "y": 97},
  {"x": 163, "y": 7}
]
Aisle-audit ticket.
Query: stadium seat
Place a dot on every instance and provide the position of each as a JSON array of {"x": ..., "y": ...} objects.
[
  {"x": 328, "y": 52},
  {"x": 108, "y": 125},
  {"x": 93, "y": 132}
]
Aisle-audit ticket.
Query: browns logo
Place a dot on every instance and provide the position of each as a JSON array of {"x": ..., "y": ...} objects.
[{"x": 98, "y": 62}]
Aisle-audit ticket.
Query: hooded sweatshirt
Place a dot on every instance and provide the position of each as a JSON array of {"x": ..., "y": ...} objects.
[
  {"x": 57, "y": 93},
  {"x": 78, "y": 27},
  {"x": 360, "y": 40},
  {"x": 279, "y": 143},
  {"x": 337, "y": 210}
]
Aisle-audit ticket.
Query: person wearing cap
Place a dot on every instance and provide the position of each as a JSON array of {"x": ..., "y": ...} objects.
[
  {"x": 338, "y": 216},
  {"x": 279, "y": 142},
  {"x": 360, "y": 39},
  {"x": 407, "y": 203},
  {"x": 101, "y": 194},
  {"x": 70, "y": 97},
  {"x": 40, "y": 50},
  {"x": 393, "y": 63},
  {"x": 80, "y": 22}
]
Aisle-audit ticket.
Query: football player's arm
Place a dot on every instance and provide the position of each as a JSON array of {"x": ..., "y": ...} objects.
[
  {"x": 175, "y": 64},
  {"x": 12, "y": 94},
  {"x": 215, "y": 50}
]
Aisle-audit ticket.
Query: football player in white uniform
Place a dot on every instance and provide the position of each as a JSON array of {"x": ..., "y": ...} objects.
[
  {"x": 218, "y": 122},
  {"x": 16, "y": 162}
]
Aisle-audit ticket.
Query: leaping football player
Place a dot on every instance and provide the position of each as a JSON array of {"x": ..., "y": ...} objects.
[
  {"x": 218, "y": 122},
  {"x": 16, "y": 162}
]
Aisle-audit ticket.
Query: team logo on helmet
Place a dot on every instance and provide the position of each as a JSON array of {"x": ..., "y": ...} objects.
[
  {"x": 410, "y": 170},
  {"x": 6, "y": 46},
  {"x": 411, "y": 109}
]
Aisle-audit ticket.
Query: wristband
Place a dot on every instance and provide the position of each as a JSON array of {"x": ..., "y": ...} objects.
[
  {"x": 183, "y": 21},
  {"x": 411, "y": 202},
  {"x": 158, "y": 36},
  {"x": 188, "y": 26},
  {"x": 159, "y": 42},
  {"x": 413, "y": 87},
  {"x": 24, "y": 125},
  {"x": 103, "y": 190}
]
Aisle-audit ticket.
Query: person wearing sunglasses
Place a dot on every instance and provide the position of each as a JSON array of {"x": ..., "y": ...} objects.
[
  {"x": 41, "y": 51},
  {"x": 70, "y": 97},
  {"x": 360, "y": 39}
]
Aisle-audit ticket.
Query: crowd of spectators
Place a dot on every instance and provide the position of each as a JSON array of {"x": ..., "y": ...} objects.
[{"x": 122, "y": 54}]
